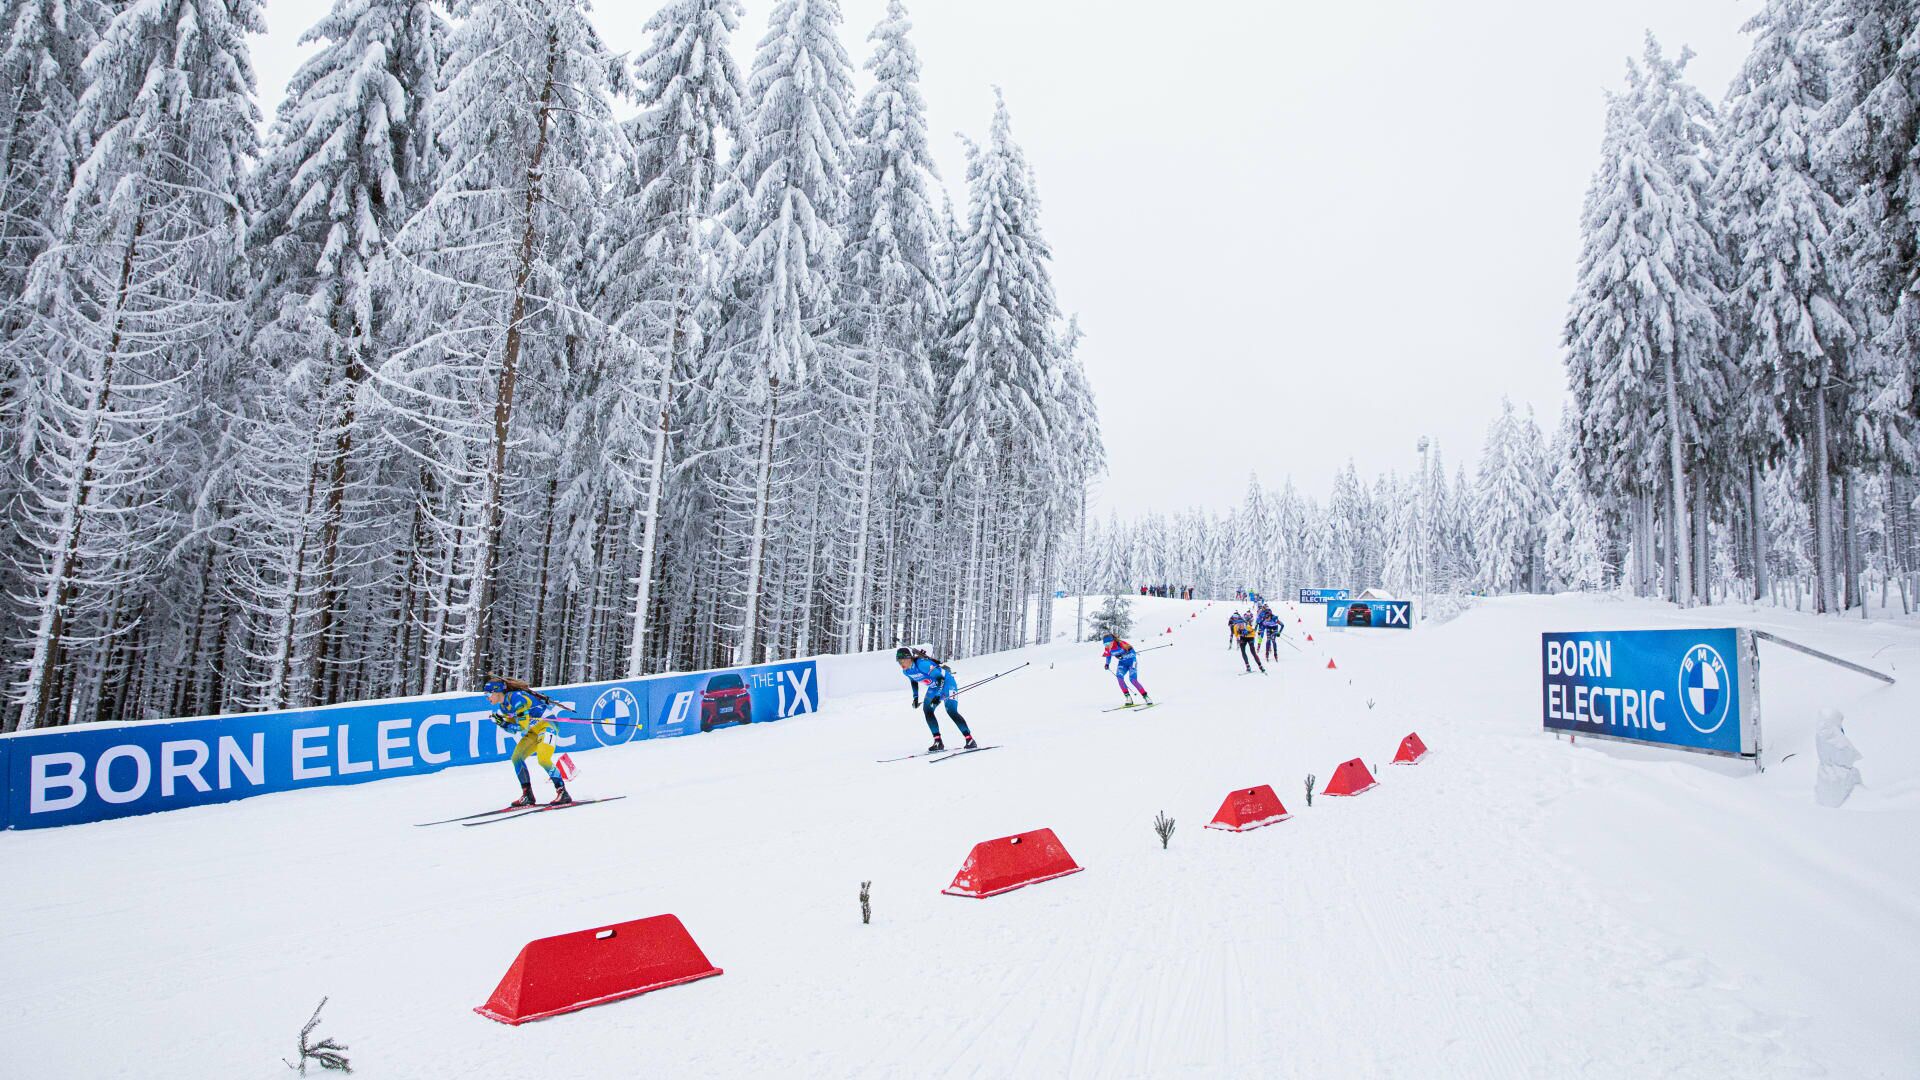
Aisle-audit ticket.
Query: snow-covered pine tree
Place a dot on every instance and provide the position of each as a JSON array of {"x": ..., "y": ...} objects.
[
  {"x": 127, "y": 318},
  {"x": 42, "y": 76},
  {"x": 652, "y": 278},
  {"x": 1507, "y": 504},
  {"x": 1001, "y": 448},
  {"x": 892, "y": 305},
  {"x": 1787, "y": 303},
  {"x": 1571, "y": 547},
  {"x": 527, "y": 134},
  {"x": 347, "y": 161},
  {"x": 1347, "y": 517},
  {"x": 779, "y": 331},
  {"x": 1643, "y": 330},
  {"x": 1870, "y": 144}
]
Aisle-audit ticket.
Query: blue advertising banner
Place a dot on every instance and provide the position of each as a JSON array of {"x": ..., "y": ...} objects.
[
  {"x": 1689, "y": 689},
  {"x": 66, "y": 776},
  {"x": 1372, "y": 614},
  {"x": 1321, "y": 596}
]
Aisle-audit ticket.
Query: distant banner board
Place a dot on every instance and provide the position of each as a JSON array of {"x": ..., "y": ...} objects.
[
  {"x": 1321, "y": 596},
  {"x": 1689, "y": 689},
  {"x": 67, "y": 776},
  {"x": 1371, "y": 614}
]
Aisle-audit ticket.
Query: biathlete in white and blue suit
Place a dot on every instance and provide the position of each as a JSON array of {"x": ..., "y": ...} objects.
[{"x": 923, "y": 670}]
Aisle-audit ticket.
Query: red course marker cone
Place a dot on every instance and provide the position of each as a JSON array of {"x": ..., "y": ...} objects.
[
  {"x": 1330, "y": 664},
  {"x": 1249, "y": 808},
  {"x": 1006, "y": 864},
  {"x": 559, "y": 974},
  {"x": 1411, "y": 750},
  {"x": 1309, "y": 637},
  {"x": 1351, "y": 778}
]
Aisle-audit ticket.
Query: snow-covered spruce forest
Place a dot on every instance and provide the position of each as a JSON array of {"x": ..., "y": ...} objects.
[
  {"x": 500, "y": 349},
  {"x": 1742, "y": 348}
]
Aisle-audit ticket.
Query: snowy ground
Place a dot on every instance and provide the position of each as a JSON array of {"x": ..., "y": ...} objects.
[{"x": 1513, "y": 906}]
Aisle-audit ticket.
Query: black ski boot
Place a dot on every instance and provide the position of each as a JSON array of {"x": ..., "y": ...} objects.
[
  {"x": 937, "y": 746},
  {"x": 526, "y": 796},
  {"x": 560, "y": 796},
  {"x": 971, "y": 745}
]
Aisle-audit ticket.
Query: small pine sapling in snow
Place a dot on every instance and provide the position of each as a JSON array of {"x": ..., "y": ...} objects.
[
  {"x": 326, "y": 1051},
  {"x": 1114, "y": 617},
  {"x": 1369, "y": 704},
  {"x": 1163, "y": 825},
  {"x": 1309, "y": 789},
  {"x": 866, "y": 903}
]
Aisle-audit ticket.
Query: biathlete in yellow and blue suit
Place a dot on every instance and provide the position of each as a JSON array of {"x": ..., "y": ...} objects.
[{"x": 514, "y": 710}]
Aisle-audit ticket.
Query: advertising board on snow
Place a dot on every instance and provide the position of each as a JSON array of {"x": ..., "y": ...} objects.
[
  {"x": 1371, "y": 614},
  {"x": 1321, "y": 596},
  {"x": 66, "y": 776},
  {"x": 1689, "y": 689}
]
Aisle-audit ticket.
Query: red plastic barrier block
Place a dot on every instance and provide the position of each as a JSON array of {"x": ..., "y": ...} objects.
[
  {"x": 1006, "y": 864},
  {"x": 1351, "y": 778},
  {"x": 1249, "y": 808},
  {"x": 555, "y": 975},
  {"x": 1411, "y": 750}
]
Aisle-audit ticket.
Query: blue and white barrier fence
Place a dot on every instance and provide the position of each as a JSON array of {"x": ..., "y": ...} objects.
[{"x": 67, "y": 776}]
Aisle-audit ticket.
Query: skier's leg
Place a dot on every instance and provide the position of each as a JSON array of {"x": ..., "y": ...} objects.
[
  {"x": 953, "y": 713},
  {"x": 927, "y": 706},
  {"x": 543, "y": 752},
  {"x": 520, "y": 751}
]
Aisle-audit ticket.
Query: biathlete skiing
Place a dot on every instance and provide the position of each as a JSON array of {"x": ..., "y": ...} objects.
[
  {"x": 1270, "y": 631},
  {"x": 1118, "y": 649},
  {"x": 1243, "y": 633},
  {"x": 514, "y": 704},
  {"x": 923, "y": 670}
]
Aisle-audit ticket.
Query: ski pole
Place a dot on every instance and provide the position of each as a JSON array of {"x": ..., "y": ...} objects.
[
  {"x": 1168, "y": 645},
  {"x": 988, "y": 679},
  {"x": 595, "y": 723}
]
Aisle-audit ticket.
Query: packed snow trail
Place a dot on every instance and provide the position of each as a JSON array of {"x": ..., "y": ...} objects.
[{"x": 1512, "y": 906}]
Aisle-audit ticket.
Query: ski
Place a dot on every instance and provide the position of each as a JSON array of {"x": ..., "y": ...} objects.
[
  {"x": 1117, "y": 708},
  {"x": 909, "y": 757},
  {"x": 951, "y": 754},
  {"x": 469, "y": 817},
  {"x": 542, "y": 809}
]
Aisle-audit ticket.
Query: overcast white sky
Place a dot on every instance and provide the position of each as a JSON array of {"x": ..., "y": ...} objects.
[{"x": 1295, "y": 233}]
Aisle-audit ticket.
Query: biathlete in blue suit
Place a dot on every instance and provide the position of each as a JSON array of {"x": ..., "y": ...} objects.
[
  {"x": 923, "y": 670},
  {"x": 1270, "y": 631},
  {"x": 1118, "y": 650}
]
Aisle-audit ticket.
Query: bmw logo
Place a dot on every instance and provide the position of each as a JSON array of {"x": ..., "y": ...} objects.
[
  {"x": 1704, "y": 693},
  {"x": 617, "y": 716}
]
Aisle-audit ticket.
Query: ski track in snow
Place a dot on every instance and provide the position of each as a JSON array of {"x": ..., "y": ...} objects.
[{"x": 1475, "y": 915}]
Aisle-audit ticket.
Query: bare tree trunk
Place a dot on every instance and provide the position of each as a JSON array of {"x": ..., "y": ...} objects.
[
  {"x": 1678, "y": 484},
  {"x": 756, "y": 546},
  {"x": 1702, "y": 549},
  {"x": 1850, "y": 528},
  {"x": 474, "y": 631},
  {"x": 1759, "y": 518},
  {"x": 48, "y": 644},
  {"x": 1822, "y": 500},
  {"x": 863, "y": 516}
]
